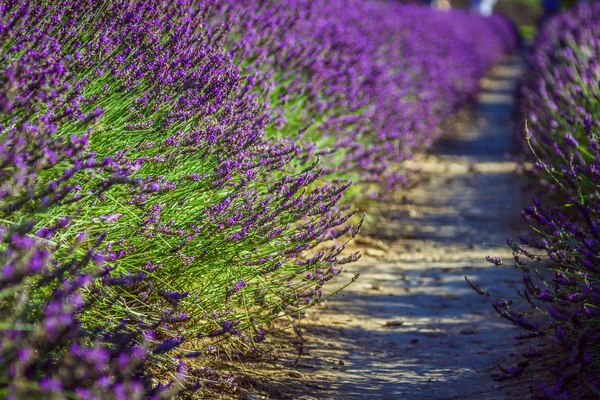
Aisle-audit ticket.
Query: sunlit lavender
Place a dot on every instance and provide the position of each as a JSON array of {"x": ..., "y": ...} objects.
[{"x": 178, "y": 179}]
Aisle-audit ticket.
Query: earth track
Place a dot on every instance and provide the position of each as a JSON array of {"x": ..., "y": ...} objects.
[{"x": 410, "y": 327}]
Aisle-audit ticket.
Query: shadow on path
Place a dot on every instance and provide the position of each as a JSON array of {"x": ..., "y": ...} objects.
[{"x": 410, "y": 327}]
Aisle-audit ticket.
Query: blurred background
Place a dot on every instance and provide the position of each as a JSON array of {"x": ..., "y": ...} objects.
[{"x": 527, "y": 14}]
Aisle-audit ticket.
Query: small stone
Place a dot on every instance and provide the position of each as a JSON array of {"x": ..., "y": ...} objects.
[
  {"x": 295, "y": 374},
  {"x": 398, "y": 322},
  {"x": 414, "y": 213},
  {"x": 375, "y": 253},
  {"x": 371, "y": 286}
]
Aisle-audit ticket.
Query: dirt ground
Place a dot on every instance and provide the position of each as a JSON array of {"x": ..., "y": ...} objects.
[{"x": 410, "y": 327}]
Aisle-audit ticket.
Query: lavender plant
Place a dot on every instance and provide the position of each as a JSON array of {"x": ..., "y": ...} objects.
[
  {"x": 160, "y": 184},
  {"x": 560, "y": 117},
  {"x": 367, "y": 84},
  {"x": 53, "y": 274},
  {"x": 140, "y": 203}
]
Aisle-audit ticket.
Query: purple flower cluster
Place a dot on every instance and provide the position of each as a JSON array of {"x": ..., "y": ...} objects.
[
  {"x": 159, "y": 182},
  {"x": 365, "y": 84},
  {"x": 561, "y": 121},
  {"x": 54, "y": 271},
  {"x": 558, "y": 99},
  {"x": 137, "y": 188}
]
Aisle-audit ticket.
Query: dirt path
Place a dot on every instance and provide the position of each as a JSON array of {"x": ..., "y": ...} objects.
[{"x": 410, "y": 327}]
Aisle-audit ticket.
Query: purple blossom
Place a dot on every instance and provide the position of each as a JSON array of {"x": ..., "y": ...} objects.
[{"x": 559, "y": 118}]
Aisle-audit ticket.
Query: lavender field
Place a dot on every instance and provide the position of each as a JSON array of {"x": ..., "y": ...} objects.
[{"x": 300, "y": 199}]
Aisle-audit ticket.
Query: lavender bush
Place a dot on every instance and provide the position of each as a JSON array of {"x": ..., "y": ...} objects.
[
  {"x": 160, "y": 189},
  {"x": 561, "y": 119},
  {"x": 140, "y": 203},
  {"x": 366, "y": 84},
  {"x": 53, "y": 272}
]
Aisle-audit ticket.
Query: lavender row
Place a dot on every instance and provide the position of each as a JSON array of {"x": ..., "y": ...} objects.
[
  {"x": 368, "y": 83},
  {"x": 145, "y": 219},
  {"x": 160, "y": 192},
  {"x": 560, "y": 119}
]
